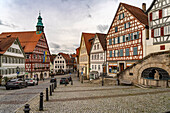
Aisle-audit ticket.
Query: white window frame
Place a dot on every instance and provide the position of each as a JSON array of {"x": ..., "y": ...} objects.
[
  {"x": 166, "y": 11},
  {"x": 157, "y": 32},
  {"x": 166, "y": 30},
  {"x": 155, "y": 15}
]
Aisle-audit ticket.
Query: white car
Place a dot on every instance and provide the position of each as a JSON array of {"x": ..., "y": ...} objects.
[{"x": 31, "y": 81}]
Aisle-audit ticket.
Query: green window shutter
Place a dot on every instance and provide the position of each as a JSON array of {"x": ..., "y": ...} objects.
[
  {"x": 129, "y": 24},
  {"x": 124, "y": 38},
  {"x": 135, "y": 50},
  {"x": 138, "y": 35},
  {"x": 119, "y": 16},
  {"x": 127, "y": 52},
  {"x": 128, "y": 37},
  {"x": 113, "y": 40},
  {"x": 121, "y": 52},
  {"x": 123, "y": 15},
  {"x": 118, "y": 53},
  {"x": 116, "y": 29},
  {"x": 131, "y": 36},
  {"x": 125, "y": 25},
  {"x": 110, "y": 53},
  {"x": 118, "y": 39},
  {"x": 110, "y": 41}
]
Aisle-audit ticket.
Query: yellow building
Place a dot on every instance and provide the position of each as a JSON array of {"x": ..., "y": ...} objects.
[{"x": 84, "y": 54}]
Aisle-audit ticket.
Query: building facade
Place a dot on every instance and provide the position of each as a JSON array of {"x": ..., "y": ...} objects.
[
  {"x": 159, "y": 26},
  {"x": 63, "y": 63},
  {"x": 126, "y": 38},
  {"x": 84, "y": 54},
  {"x": 35, "y": 46},
  {"x": 98, "y": 54},
  {"x": 12, "y": 58}
]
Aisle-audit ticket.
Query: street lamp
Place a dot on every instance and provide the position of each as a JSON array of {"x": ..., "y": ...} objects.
[{"x": 103, "y": 65}]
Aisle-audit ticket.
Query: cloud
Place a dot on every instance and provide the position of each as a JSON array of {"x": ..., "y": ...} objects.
[
  {"x": 102, "y": 28},
  {"x": 54, "y": 45},
  {"x": 89, "y": 15},
  {"x": 88, "y": 6},
  {"x": 8, "y": 25}
]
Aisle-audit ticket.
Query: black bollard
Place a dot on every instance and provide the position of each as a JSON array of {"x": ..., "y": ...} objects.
[
  {"x": 50, "y": 90},
  {"x": 41, "y": 102},
  {"x": 47, "y": 98},
  {"x": 52, "y": 87},
  {"x": 27, "y": 108}
]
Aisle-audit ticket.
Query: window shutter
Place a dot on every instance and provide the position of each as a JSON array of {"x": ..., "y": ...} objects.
[
  {"x": 152, "y": 33},
  {"x": 131, "y": 36},
  {"x": 160, "y": 14},
  {"x": 150, "y": 16},
  {"x": 162, "y": 31},
  {"x": 125, "y": 25},
  {"x": 114, "y": 53},
  {"x": 113, "y": 40},
  {"x": 123, "y": 15},
  {"x": 123, "y": 38},
  {"x": 118, "y": 53},
  {"x": 138, "y": 35},
  {"x": 129, "y": 24},
  {"x": 119, "y": 16},
  {"x": 128, "y": 37},
  {"x": 118, "y": 39}
]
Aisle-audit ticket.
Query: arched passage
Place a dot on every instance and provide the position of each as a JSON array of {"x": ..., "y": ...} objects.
[{"x": 150, "y": 73}]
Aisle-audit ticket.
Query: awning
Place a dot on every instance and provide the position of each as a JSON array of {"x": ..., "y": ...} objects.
[{"x": 94, "y": 72}]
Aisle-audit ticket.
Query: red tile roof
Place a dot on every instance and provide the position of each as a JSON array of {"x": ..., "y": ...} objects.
[
  {"x": 88, "y": 39},
  {"x": 137, "y": 12},
  {"x": 67, "y": 58},
  {"x": 5, "y": 43},
  {"x": 102, "y": 39},
  {"x": 77, "y": 51},
  {"x": 27, "y": 39}
]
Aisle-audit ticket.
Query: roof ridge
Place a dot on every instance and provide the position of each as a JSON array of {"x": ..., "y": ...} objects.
[
  {"x": 130, "y": 5},
  {"x": 19, "y": 32}
]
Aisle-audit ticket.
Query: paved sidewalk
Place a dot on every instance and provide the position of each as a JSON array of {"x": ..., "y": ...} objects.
[{"x": 90, "y": 98}]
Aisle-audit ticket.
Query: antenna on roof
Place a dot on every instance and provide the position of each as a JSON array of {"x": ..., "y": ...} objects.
[{"x": 39, "y": 12}]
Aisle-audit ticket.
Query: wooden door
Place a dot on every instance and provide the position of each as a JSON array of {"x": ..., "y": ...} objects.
[{"x": 121, "y": 66}]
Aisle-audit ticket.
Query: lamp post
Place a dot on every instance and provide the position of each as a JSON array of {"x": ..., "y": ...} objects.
[
  {"x": 103, "y": 74},
  {"x": 17, "y": 69}
]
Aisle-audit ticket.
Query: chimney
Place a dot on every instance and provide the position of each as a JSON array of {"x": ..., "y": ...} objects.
[{"x": 144, "y": 7}]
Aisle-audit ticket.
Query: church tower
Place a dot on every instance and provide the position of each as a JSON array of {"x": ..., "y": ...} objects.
[{"x": 39, "y": 26}]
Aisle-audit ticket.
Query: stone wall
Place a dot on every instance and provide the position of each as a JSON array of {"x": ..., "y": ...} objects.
[{"x": 133, "y": 73}]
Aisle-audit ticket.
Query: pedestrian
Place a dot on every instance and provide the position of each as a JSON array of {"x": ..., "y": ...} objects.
[
  {"x": 37, "y": 80},
  {"x": 43, "y": 78}
]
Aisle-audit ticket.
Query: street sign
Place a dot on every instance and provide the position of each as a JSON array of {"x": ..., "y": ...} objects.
[
  {"x": 81, "y": 73},
  {"x": 17, "y": 72}
]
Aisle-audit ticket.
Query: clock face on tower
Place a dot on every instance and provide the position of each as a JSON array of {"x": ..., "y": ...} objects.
[{"x": 38, "y": 32}]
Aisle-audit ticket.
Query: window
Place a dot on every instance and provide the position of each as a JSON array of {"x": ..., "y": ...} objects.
[
  {"x": 55, "y": 61},
  {"x": 155, "y": 15},
  {"x": 94, "y": 47},
  {"x": 121, "y": 16},
  {"x": 92, "y": 57},
  {"x": 135, "y": 50},
  {"x": 127, "y": 25},
  {"x": 114, "y": 53},
  {"x": 101, "y": 56},
  {"x": 121, "y": 52},
  {"x": 98, "y": 57},
  {"x": 166, "y": 30},
  {"x": 118, "y": 53},
  {"x": 97, "y": 46},
  {"x": 157, "y": 32},
  {"x": 110, "y": 53},
  {"x": 113, "y": 40},
  {"x": 127, "y": 52},
  {"x": 128, "y": 37},
  {"x": 166, "y": 12},
  {"x": 95, "y": 67},
  {"x": 116, "y": 29},
  {"x": 92, "y": 66},
  {"x": 136, "y": 35},
  {"x": 3, "y": 59},
  {"x": 63, "y": 66},
  {"x": 98, "y": 67},
  {"x": 27, "y": 56},
  {"x": 60, "y": 61},
  {"x": 131, "y": 36},
  {"x": 34, "y": 56},
  {"x": 110, "y": 41}
]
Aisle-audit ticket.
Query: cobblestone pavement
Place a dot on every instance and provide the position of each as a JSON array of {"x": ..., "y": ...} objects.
[
  {"x": 90, "y": 98},
  {"x": 10, "y": 100}
]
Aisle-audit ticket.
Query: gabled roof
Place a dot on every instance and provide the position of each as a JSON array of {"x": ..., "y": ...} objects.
[
  {"x": 67, "y": 58},
  {"x": 5, "y": 43},
  {"x": 28, "y": 39},
  {"x": 153, "y": 2},
  {"x": 88, "y": 40},
  {"x": 137, "y": 12},
  {"x": 77, "y": 51},
  {"x": 102, "y": 39}
]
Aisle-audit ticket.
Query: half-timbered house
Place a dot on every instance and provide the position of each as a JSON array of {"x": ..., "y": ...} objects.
[
  {"x": 126, "y": 38},
  {"x": 159, "y": 26},
  {"x": 35, "y": 46}
]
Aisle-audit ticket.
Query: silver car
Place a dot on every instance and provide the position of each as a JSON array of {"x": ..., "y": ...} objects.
[{"x": 31, "y": 81}]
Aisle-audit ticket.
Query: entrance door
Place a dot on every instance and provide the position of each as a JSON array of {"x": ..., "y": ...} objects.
[{"x": 121, "y": 66}]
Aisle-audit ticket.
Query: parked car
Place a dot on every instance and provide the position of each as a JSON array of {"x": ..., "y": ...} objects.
[
  {"x": 53, "y": 80},
  {"x": 31, "y": 81},
  {"x": 64, "y": 80},
  {"x": 69, "y": 78},
  {"x": 15, "y": 83}
]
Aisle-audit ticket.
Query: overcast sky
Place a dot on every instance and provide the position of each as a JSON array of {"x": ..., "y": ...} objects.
[{"x": 64, "y": 20}]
